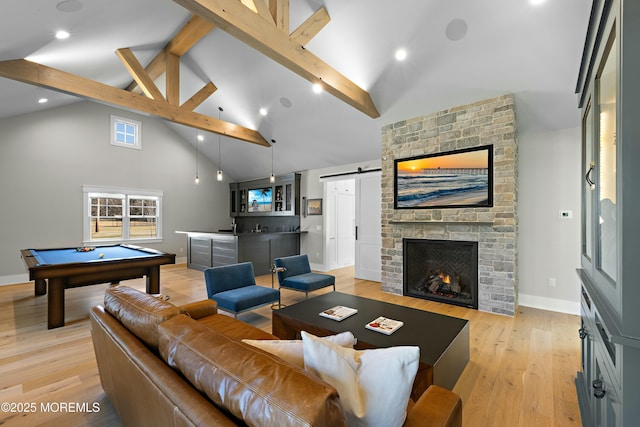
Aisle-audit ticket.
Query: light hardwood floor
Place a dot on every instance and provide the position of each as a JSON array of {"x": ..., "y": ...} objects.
[{"x": 520, "y": 374}]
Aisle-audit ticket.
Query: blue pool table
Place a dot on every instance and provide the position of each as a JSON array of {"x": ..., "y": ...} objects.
[{"x": 66, "y": 268}]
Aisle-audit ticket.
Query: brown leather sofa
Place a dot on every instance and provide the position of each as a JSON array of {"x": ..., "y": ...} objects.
[{"x": 164, "y": 365}]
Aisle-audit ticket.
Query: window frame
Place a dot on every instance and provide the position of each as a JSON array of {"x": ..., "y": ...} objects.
[
  {"x": 137, "y": 134},
  {"x": 126, "y": 194}
]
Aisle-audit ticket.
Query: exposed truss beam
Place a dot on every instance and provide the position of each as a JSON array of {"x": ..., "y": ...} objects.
[
  {"x": 309, "y": 28},
  {"x": 199, "y": 97},
  {"x": 173, "y": 79},
  {"x": 262, "y": 9},
  {"x": 244, "y": 24},
  {"x": 156, "y": 67},
  {"x": 139, "y": 74},
  {"x": 61, "y": 81},
  {"x": 280, "y": 12},
  {"x": 189, "y": 35}
]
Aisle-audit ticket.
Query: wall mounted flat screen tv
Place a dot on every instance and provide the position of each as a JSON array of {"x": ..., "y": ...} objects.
[
  {"x": 452, "y": 179},
  {"x": 260, "y": 199}
]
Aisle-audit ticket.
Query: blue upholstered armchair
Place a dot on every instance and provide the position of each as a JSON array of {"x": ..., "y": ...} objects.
[
  {"x": 295, "y": 273},
  {"x": 234, "y": 288}
]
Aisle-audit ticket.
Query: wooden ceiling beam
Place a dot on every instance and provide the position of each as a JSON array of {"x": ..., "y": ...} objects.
[
  {"x": 247, "y": 26},
  {"x": 310, "y": 27},
  {"x": 280, "y": 12},
  {"x": 199, "y": 97},
  {"x": 250, "y": 4},
  {"x": 185, "y": 39},
  {"x": 263, "y": 10},
  {"x": 173, "y": 79},
  {"x": 156, "y": 67},
  {"x": 40, "y": 75},
  {"x": 189, "y": 35},
  {"x": 139, "y": 74}
]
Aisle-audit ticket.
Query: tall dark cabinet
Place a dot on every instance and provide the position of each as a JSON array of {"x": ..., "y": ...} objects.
[
  {"x": 284, "y": 196},
  {"x": 609, "y": 92}
]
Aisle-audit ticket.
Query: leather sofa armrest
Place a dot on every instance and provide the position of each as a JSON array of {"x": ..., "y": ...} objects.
[
  {"x": 437, "y": 407},
  {"x": 199, "y": 309}
]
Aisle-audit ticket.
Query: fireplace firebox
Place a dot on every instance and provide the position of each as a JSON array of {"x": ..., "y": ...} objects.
[{"x": 441, "y": 270}]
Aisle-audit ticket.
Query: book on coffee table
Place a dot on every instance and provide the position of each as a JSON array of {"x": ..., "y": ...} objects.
[
  {"x": 339, "y": 312},
  {"x": 384, "y": 325}
]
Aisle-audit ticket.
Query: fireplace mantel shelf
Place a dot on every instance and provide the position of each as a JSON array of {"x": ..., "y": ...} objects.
[{"x": 489, "y": 223}]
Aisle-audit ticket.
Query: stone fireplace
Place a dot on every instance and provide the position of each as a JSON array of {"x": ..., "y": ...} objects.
[
  {"x": 493, "y": 229},
  {"x": 441, "y": 270}
]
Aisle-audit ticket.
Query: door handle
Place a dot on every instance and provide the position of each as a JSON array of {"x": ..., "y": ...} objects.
[
  {"x": 356, "y": 232},
  {"x": 598, "y": 389},
  {"x": 588, "y": 176}
]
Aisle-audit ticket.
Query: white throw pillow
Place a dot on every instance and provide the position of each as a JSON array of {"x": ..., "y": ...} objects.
[
  {"x": 374, "y": 385},
  {"x": 291, "y": 350}
]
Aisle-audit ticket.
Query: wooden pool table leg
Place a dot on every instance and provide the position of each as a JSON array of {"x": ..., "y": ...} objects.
[
  {"x": 40, "y": 286},
  {"x": 153, "y": 280},
  {"x": 55, "y": 306}
]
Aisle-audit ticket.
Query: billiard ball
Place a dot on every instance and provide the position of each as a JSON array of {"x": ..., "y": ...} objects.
[{"x": 101, "y": 256}]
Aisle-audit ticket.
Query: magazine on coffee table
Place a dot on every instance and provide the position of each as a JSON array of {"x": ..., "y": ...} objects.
[
  {"x": 384, "y": 325},
  {"x": 339, "y": 312}
]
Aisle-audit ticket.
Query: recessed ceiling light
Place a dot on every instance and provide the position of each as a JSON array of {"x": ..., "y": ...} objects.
[
  {"x": 537, "y": 2},
  {"x": 401, "y": 54},
  {"x": 200, "y": 137},
  {"x": 263, "y": 111},
  {"x": 42, "y": 100},
  {"x": 317, "y": 88},
  {"x": 61, "y": 35}
]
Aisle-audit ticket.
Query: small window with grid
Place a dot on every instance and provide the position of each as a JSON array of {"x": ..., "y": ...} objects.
[{"x": 126, "y": 133}]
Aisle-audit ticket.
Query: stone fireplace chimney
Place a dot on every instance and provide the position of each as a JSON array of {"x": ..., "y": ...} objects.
[{"x": 488, "y": 122}]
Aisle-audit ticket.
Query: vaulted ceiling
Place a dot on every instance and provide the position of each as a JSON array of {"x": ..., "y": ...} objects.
[{"x": 458, "y": 51}]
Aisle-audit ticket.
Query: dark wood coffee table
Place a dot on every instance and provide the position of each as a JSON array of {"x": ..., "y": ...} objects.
[{"x": 443, "y": 340}]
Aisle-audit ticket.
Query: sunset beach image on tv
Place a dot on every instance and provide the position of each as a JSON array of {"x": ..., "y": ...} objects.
[
  {"x": 260, "y": 200},
  {"x": 452, "y": 179}
]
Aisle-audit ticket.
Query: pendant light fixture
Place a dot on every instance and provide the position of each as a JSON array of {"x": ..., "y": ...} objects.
[
  {"x": 272, "y": 177},
  {"x": 197, "y": 180},
  {"x": 219, "y": 176}
]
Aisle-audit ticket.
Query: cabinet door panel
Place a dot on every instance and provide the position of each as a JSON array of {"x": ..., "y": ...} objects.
[
  {"x": 588, "y": 166},
  {"x": 285, "y": 245},
  {"x": 606, "y": 182},
  {"x": 199, "y": 253},
  {"x": 255, "y": 249}
]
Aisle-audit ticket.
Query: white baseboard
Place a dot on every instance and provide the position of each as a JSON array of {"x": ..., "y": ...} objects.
[
  {"x": 551, "y": 304},
  {"x": 14, "y": 279},
  {"x": 318, "y": 267}
]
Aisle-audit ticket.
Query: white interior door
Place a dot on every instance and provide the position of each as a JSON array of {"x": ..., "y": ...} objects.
[
  {"x": 340, "y": 223},
  {"x": 368, "y": 228},
  {"x": 345, "y": 232},
  {"x": 330, "y": 226}
]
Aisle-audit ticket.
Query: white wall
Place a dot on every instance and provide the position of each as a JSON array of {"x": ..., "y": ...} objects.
[
  {"x": 46, "y": 157},
  {"x": 549, "y": 247},
  {"x": 313, "y": 242}
]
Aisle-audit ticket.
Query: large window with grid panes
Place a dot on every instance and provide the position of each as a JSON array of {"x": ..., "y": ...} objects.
[{"x": 121, "y": 215}]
